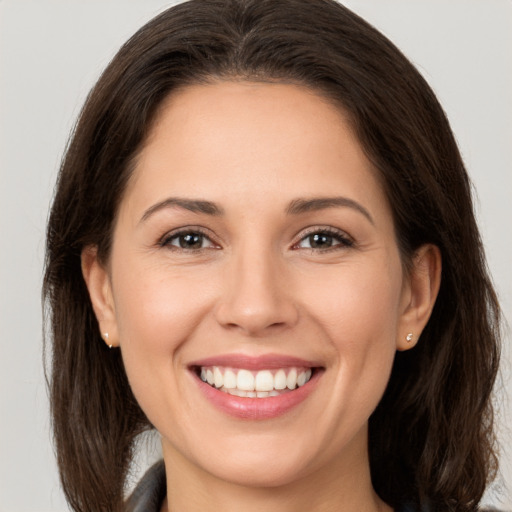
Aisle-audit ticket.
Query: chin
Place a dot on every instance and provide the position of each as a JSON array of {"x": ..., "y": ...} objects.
[{"x": 262, "y": 472}]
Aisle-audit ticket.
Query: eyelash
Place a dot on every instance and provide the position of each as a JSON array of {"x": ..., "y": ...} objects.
[
  {"x": 175, "y": 235},
  {"x": 339, "y": 236},
  {"x": 344, "y": 241}
]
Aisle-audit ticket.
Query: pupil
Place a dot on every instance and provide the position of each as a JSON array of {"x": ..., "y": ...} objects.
[
  {"x": 320, "y": 240},
  {"x": 191, "y": 240}
]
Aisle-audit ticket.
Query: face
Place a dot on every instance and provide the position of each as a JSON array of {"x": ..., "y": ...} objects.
[{"x": 255, "y": 287}]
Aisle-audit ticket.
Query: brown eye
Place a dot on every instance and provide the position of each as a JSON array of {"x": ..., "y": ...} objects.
[
  {"x": 324, "y": 239},
  {"x": 320, "y": 241},
  {"x": 189, "y": 240}
]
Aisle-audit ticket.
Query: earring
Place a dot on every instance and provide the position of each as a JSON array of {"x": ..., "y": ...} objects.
[
  {"x": 409, "y": 337},
  {"x": 105, "y": 337}
]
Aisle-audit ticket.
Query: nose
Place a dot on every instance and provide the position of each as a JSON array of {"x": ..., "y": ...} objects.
[{"x": 257, "y": 297}]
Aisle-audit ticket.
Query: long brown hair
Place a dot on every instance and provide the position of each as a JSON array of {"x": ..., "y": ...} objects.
[{"x": 431, "y": 437}]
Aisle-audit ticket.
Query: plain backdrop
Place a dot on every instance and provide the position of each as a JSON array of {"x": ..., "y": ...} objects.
[{"x": 51, "y": 52}]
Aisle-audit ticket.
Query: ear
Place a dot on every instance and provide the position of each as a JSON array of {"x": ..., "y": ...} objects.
[
  {"x": 98, "y": 283},
  {"x": 419, "y": 295}
]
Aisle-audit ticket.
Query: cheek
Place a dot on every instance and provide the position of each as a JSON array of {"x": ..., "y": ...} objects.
[
  {"x": 359, "y": 304},
  {"x": 158, "y": 307},
  {"x": 156, "y": 314},
  {"x": 359, "y": 314}
]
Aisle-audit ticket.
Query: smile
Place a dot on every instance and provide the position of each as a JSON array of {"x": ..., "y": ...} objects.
[
  {"x": 255, "y": 384},
  {"x": 256, "y": 388}
]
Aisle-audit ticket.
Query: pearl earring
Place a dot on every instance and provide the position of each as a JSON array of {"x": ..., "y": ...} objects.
[
  {"x": 409, "y": 337},
  {"x": 105, "y": 336}
]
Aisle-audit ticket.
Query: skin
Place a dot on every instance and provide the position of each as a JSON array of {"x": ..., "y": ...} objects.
[{"x": 256, "y": 286}]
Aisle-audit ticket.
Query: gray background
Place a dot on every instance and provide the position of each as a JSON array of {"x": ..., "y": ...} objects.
[{"x": 52, "y": 51}]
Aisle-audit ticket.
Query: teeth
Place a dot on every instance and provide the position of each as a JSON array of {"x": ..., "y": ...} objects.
[
  {"x": 237, "y": 392},
  {"x": 229, "y": 379},
  {"x": 261, "y": 384},
  {"x": 291, "y": 380},
  {"x": 245, "y": 380},
  {"x": 218, "y": 378},
  {"x": 264, "y": 381},
  {"x": 280, "y": 380}
]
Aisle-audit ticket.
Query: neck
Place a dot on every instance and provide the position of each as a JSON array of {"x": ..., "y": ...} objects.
[{"x": 343, "y": 485}]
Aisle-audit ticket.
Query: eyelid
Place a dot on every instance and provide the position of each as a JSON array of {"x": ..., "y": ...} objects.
[
  {"x": 345, "y": 239},
  {"x": 183, "y": 230}
]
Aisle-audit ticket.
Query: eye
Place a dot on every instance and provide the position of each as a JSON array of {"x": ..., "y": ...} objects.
[
  {"x": 324, "y": 239},
  {"x": 187, "y": 240}
]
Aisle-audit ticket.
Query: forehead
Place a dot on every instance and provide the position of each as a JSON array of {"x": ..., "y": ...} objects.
[{"x": 227, "y": 139}]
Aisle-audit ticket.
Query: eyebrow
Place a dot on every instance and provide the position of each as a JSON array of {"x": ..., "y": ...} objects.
[
  {"x": 193, "y": 205},
  {"x": 298, "y": 206}
]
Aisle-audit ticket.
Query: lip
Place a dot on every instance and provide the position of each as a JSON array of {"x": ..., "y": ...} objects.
[
  {"x": 256, "y": 363},
  {"x": 256, "y": 408}
]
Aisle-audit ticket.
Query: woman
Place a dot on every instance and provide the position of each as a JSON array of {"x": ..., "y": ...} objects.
[{"x": 264, "y": 194}]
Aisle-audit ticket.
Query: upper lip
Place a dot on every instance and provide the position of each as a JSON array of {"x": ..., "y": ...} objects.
[{"x": 262, "y": 362}]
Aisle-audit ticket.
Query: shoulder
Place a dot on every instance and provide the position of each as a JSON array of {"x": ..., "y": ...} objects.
[{"x": 150, "y": 492}]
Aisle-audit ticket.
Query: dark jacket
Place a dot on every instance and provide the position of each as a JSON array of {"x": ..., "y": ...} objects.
[{"x": 150, "y": 492}]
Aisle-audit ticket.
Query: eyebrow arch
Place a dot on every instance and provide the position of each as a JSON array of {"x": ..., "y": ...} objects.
[
  {"x": 193, "y": 205},
  {"x": 298, "y": 206}
]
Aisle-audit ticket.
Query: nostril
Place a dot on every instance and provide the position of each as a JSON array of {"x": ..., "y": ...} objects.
[
  {"x": 256, "y": 300},
  {"x": 256, "y": 320}
]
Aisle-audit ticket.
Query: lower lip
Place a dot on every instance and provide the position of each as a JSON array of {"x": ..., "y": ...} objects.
[{"x": 258, "y": 408}]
